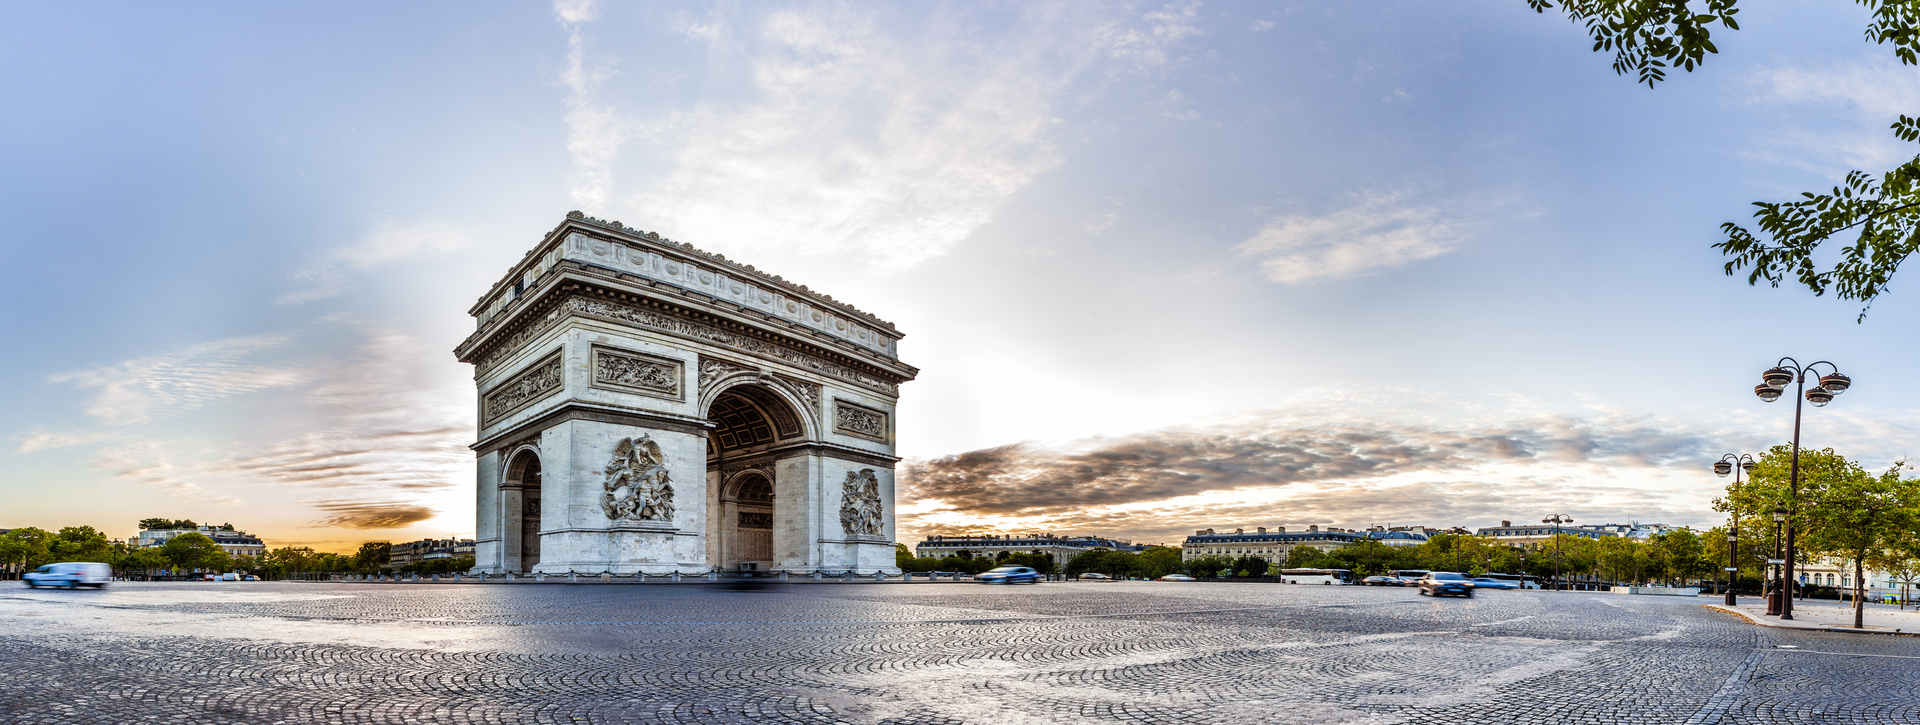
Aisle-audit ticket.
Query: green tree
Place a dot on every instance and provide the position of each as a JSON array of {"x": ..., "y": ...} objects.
[
  {"x": 146, "y": 561},
  {"x": 81, "y": 543},
  {"x": 1304, "y": 557},
  {"x": 1158, "y": 561},
  {"x": 1250, "y": 566},
  {"x": 1207, "y": 566},
  {"x": 26, "y": 547},
  {"x": 1682, "y": 556},
  {"x": 373, "y": 555},
  {"x": 1649, "y": 36},
  {"x": 1857, "y": 515},
  {"x": 194, "y": 550}
]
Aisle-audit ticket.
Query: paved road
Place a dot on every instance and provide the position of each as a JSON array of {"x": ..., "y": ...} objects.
[{"x": 1118, "y": 652}]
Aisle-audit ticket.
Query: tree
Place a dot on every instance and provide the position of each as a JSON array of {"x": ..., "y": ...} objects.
[
  {"x": 373, "y": 555},
  {"x": 155, "y": 524},
  {"x": 1207, "y": 566},
  {"x": 1158, "y": 561},
  {"x": 194, "y": 550},
  {"x": 1250, "y": 566},
  {"x": 1649, "y": 36},
  {"x": 1857, "y": 515},
  {"x": 26, "y": 547},
  {"x": 1682, "y": 556},
  {"x": 81, "y": 543},
  {"x": 1900, "y": 559}
]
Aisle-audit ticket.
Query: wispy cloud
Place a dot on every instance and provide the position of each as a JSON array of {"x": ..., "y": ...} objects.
[
  {"x": 1379, "y": 231},
  {"x": 378, "y": 437},
  {"x": 384, "y": 246},
  {"x": 859, "y": 138},
  {"x": 137, "y": 390},
  {"x": 1872, "y": 92}
]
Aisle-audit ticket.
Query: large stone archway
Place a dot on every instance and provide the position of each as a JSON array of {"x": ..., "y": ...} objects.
[{"x": 678, "y": 412}]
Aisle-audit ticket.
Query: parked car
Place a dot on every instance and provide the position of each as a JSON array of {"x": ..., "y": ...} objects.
[
  {"x": 209, "y": 577},
  {"x": 1485, "y": 583},
  {"x": 1009, "y": 575},
  {"x": 1381, "y": 581},
  {"x": 1446, "y": 583},
  {"x": 1094, "y": 575},
  {"x": 70, "y": 575},
  {"x": 1178, "y": 578}
]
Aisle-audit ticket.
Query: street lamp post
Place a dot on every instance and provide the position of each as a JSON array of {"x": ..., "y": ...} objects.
[
  {"x": 1779, "y": 582},
  {"x": 1736, "y": 465},
  {"x": 1557, "y": 520},
  {"x": 1773, "y": 382}
]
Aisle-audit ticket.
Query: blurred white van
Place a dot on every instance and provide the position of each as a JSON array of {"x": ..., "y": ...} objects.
[{"x": 70, "y": 575}]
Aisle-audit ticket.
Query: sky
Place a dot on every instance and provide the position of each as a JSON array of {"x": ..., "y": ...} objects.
[{"x": 1163, "y": 266}]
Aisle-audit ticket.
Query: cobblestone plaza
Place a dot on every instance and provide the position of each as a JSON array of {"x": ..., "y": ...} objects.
[{"x": 1131, "y": 652}]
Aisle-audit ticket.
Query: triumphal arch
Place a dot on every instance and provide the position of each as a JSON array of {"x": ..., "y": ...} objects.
[{"x": 649, "y": 407}]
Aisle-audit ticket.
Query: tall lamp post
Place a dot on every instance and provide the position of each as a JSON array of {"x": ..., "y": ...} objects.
[
  {"x": 1773, "y": 602},
  {"x": 1736, "y": 465},
  {"x": 1773, "y": 383},
  {"x": 1557, "y": 520}
]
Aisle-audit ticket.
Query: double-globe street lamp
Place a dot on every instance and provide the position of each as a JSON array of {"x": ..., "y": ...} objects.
[
  {"x": 1773, "y": 383},
  {"x": 1736, "y": 465},
  {"x": 1557, "y": 520}
]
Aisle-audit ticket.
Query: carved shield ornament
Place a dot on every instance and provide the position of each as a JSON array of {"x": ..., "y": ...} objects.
[
  {"x": 638, "y": 487},
  {"x": 860, "y": 512}
]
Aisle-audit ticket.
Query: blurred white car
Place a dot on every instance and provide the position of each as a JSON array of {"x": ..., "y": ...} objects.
[
  {"x": 70, "y": 574},
  {"x": 1094, "y": 575},
  {"x": 1178, "y": 578}
]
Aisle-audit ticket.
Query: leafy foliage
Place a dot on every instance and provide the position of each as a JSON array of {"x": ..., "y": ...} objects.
[
  {"x": 1648, "y": 36},
  {"x": 1884, "y": 211}
]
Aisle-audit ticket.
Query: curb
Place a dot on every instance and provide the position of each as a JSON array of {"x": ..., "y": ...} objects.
[{"x": 1848, "y": 630}]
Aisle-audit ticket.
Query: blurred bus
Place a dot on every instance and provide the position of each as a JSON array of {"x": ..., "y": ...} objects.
[{"x": 1317, "y": 576}]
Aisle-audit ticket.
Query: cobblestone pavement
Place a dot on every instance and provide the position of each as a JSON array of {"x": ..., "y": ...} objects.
[{"x": 1120, "y": 652}]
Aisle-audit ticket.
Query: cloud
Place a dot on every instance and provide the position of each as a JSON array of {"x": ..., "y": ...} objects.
[
  {"x": 372, "y": 515},
  {"x": 43, "y": 440},
  {"x": 857, "y": 137},
  {"x": 1875, "y": 90},
  {"x": 1275, "y": 469},
  {"x": 137, "y": 390},
  {"x": 1380, "y": 231},
  {"x": 382, "y": 247},
  {"x": 377, "y": 437}
]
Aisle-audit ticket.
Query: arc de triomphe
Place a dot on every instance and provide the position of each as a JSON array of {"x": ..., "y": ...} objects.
[{"x": 648, "y": 407}]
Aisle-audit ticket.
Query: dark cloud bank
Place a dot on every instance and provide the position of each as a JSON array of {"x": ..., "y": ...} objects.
[{"x": 1060, "y": 482}]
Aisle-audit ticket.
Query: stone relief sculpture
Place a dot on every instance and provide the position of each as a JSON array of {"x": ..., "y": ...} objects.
[
  {"x": 860, "y": 512},
  {"x": 859, "y": 421},
  {"x": 633, "y": 372},
  {"x": 536, "y": 382},
  {"x": 637, "y": 486},
  {"x": 711, "y": 370}
]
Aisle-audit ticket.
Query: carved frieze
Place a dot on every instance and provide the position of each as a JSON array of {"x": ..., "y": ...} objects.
[
  {"x": 638, "y": 487},
  {"x": 712, "y": 369},
  {"x": 637, "y": 372},
  {"x": 860, "y": 509},
  {"x": 809, "y": 392},
  {"x": 670, "y": 324},
  {"x": 858, "y": 420},
  {"x": 539, "y": 380},
  {"x": 756, "y": 520}
]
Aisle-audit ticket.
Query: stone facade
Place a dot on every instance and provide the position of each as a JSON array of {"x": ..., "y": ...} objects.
[{"x": 648, "y": 407}]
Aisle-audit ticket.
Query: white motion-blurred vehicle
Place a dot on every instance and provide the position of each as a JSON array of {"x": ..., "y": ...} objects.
[{"x": 70, "y": 575}]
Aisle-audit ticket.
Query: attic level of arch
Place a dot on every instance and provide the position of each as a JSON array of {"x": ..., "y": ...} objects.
[{"x": 561, "y": 296}]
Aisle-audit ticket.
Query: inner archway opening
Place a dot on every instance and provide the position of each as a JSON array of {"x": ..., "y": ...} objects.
[{"x": 523, "y": 473}]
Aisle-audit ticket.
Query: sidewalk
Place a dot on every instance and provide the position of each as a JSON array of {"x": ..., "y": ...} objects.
[{"x": 1827, "y": 615}]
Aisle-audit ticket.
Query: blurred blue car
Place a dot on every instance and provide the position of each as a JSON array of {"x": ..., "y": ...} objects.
[
  {"x": 1485, "y": 583},
  {"x": 1009, "y": 575}
]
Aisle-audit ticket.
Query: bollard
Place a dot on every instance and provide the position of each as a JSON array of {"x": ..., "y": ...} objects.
[
  {"x": 572, "y": 577},
  {"x": 676, "y": 575},
  {"x": 879, "y": 576}
]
